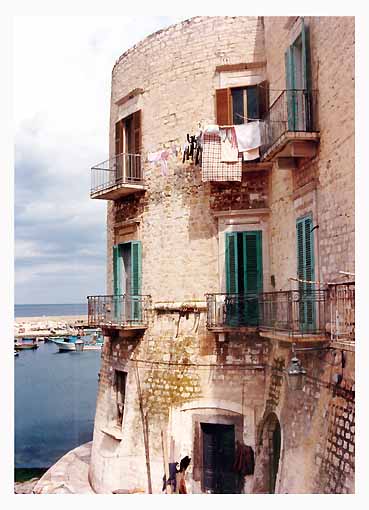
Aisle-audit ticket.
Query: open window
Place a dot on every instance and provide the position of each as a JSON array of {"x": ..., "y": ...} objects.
[
  {"x": 238, "y": 105},
  {"x": 127, "y": 282},
  {"x": 128, "y": 148},
  {"x": 120, "y": 395},
  {"x": 298, "y": 82}
]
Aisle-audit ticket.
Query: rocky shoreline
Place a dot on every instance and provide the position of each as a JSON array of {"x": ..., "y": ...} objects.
[{"x": 25, "y": 487}]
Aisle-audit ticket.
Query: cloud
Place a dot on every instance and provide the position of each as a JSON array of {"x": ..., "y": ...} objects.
[{"x": 62, "y": 73}]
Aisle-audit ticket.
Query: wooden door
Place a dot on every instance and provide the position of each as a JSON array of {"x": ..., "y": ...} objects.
[{"x": 218, "y": 458}]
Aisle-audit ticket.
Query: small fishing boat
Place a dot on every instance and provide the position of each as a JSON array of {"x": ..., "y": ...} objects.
[
  {"x": 26, "y": 343},
  {"x": 16, "y": 353},
  {"x": 92, "y": 342}
]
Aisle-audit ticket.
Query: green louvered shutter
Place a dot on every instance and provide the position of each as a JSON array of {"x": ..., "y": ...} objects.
[
  {"x": 306, "y": 74},
  {"x": 253, "y": 273},
  {"x": 290, "y": 85},
  {"x": 116, "y": 283},
  {"x": 232, "y": 302},
  {"x": 253, "y": 263},
  {"x": 305, "y": 271},
  {"x": 136, "y": 280},
  {"x": 231, "y": 263}
]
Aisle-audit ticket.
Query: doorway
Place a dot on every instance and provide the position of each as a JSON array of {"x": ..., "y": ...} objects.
[
  {"x": 269, "y": 451},
  {"x": 218, "y": 458}
]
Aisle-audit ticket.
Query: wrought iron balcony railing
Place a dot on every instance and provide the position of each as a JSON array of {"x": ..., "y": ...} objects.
[
  {"x": 292, "y": 111},
  {"x": 121, "y": 170},
  {"x": 118, "y": 310},
  {"x": 342, "y": 311},
  {"x": 232, "y": 310},
  {"x": 296, "y": 312}
]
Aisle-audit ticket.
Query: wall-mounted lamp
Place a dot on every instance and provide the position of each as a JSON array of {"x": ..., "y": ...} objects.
[{"x": 296, "y": 374}]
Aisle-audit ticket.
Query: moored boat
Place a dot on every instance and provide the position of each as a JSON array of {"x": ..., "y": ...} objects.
[
  {"x": 22, "y": 346},
  {"x": 92, "y": 342}
]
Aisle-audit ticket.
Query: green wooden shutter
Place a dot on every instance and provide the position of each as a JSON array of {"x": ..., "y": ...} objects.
[
  {"x": 116, "y": 270},
  {"x": 290, "y": 85},
  {"x": 305, "y": 250},
  {"x": 231, "y": 263},
  {"x": 253, "y": 275},
  {"x": 136, "y": 308},
  {"x": 136, "y": 268},
  {"x": 253, "y": 261},
  {"x": 306, "y": 71},
  {"x": 305, "y": 271}
]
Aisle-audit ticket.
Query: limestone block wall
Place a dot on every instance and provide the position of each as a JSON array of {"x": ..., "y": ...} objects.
[
  {"x": 317, "y": 424},
  {"x": 185, "y": 375},
  {"x": 175, "y": 68},
  {"x": 330, "y": 197}
]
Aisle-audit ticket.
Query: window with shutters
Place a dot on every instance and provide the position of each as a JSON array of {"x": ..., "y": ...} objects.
[
  {"x": 244, "y": 277},
  {"x": 127, "y": 280},
  {"x": 128, "y": 147},
  {"x": 305, "y": 272},
  {"x": 120, "y": 394},
  {"x": 239, "y": 105},
  {"x": 298, "y": 83}
]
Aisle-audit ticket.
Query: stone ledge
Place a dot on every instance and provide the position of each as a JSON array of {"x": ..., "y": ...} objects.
[{"x": 69, "y": 475}]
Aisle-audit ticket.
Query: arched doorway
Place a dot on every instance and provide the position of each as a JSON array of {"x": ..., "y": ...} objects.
[{"x": 269, "y": 450}]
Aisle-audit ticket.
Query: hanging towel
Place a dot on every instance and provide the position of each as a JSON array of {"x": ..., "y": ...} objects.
[
  {"x": 248, "y": 135},
  {"x": 213, "y": 169},
  {"x": 162, "y": 156},
  {"x": 251, "y": 154},
  {"x": 228, "y": 148}
]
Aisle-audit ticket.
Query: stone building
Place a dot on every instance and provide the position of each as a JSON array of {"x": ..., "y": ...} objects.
[{"x": 216, "y": 283}]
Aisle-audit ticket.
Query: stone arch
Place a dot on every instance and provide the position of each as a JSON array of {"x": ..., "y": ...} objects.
[{"x": 268, "y": 454}]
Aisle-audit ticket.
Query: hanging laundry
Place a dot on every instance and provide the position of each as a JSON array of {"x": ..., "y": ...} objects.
[
  {"x": 248, "y": 135},
  {"x": 251, "y": 154},
  {"x": 212, "y": 129},
  {"x": 213, "y": 169},
  {"x": 244, "y": 463},
  {"x": 229, "y": 150},
  {"x": 162, "y": 156},
  {"x": 193, "y": 148},
  {"x": 164, "y": 163}
]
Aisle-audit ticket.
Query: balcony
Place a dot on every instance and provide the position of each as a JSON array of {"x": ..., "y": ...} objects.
[
  {"x": 227, "y": 312},
  {"x": 285, "y": 315},
  {"x": 294, "y": 314},
  {"x": 290, "y": 128},
  {"x": 118, "y": 311},
  {"x": 117, "y": 177},
  {"x": 342, "y": 312}
]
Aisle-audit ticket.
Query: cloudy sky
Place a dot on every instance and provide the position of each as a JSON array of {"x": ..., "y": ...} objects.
[{"x": 62, "y": 70}]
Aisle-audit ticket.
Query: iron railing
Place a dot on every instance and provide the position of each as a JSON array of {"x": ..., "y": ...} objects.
[
  {"x": 342, "y": 311},
  {"x": 232, "y": 310},
  {"x": 293, "y": 110},
  {"x": 121, "y": 169},
  {"x": 296, "y": 312},
  {"x": 118, "y": 310}
]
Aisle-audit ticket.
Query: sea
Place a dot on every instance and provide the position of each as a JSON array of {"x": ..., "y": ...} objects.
[
  {"x": 55, "y": 401},
  {"x": 48, "y": 310}
]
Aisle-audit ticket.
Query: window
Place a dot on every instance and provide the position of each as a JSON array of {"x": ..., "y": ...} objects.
[
  {"x": 239, "y": 104},
  {"x": 128, "y": 134},
  {"x": 244, "y": 277},
  {"x": 120, "y": 394},
  {"x": 128, "y": 148},
  {"x": 305, "y": 271},
  {"x": 127, "y": 281},
  {"x": 298, "y": 83}
]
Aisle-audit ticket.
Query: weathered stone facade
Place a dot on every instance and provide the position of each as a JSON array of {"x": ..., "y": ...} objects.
[{"x": 179, "y": 373}]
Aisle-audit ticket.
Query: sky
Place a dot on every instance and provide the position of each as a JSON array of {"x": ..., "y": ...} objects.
[{"x": 62, "y": 75}]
